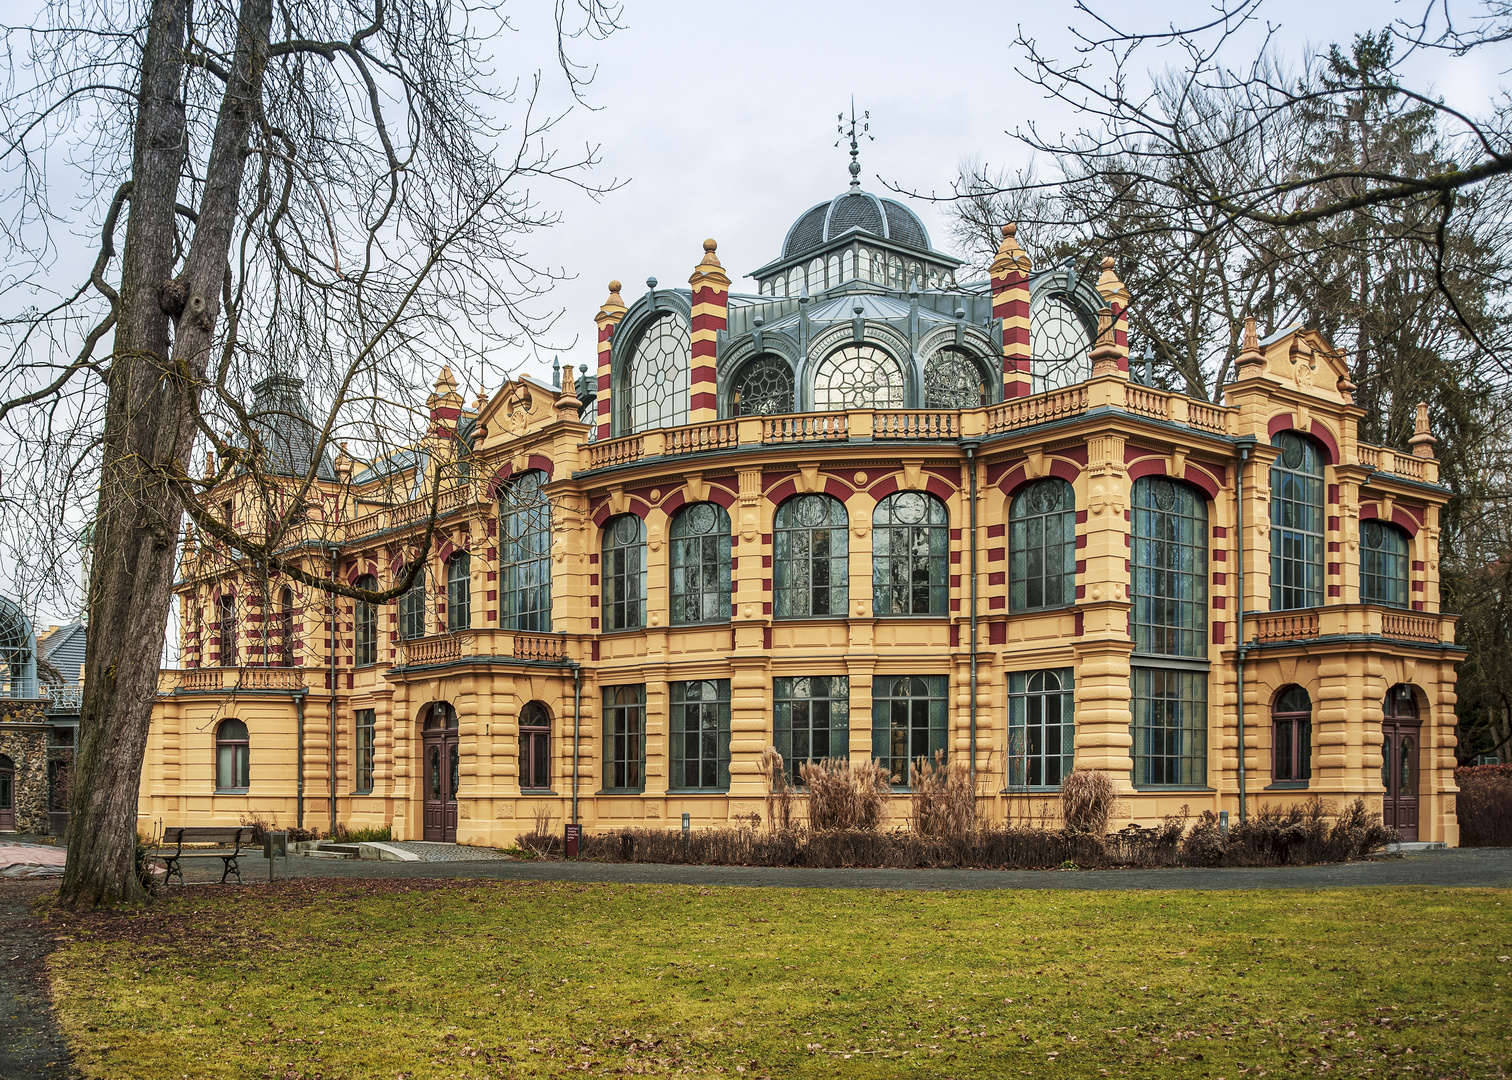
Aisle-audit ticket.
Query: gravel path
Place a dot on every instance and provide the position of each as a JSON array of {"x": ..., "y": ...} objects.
[{"x": 434, "y": 853}]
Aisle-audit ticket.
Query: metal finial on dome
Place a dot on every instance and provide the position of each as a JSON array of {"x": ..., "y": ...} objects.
[{"x": 852, "y": 134}]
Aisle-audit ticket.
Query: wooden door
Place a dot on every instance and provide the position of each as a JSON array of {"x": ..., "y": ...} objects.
[
  {"x": 441, "y": 773},
  {"x": 7, "y": 794},
  {"x": 1401, "y": 744}
]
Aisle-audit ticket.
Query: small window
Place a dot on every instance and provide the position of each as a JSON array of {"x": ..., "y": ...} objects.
[
  {"x": 952, "y": 380},
  {"x": 366, "y": 628},
  {"x": 624, "y": 573},
  {"x": 1042, "y": 546},
  {"x": 1291, "y": 745},
  {"x": 810, "y": 558},
  {"x": 412, "y": 608},
  {"x": 1296, "y": 566},
  {"x": 858, "y": 377},
  {"x": 701, "y": 565},
  {"x": 1041, "y": 731},
  {"x": 908, "y": 723},
  {"x": 459, "y": 592},
  {"x": 910, "y": 553},
  {"x": 701, "y": 735},
  {"x": 624, "y": 738},
  {"x": 535, "y": 747},
  {"x": 764, "y": 387},
  {"x": 286, "y": 626},
  {"x": 365, "y": 725},
  {"x": 655, "y": 378},
  {"x": 231, "y": 745},
  {"x": 811, "y": 720},
  {"x": 227, "y": 629},
  {"x": 1383, "y": 564}
]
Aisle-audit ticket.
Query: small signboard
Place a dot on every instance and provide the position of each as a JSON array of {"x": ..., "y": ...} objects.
[{"x": 573, "y": 837}]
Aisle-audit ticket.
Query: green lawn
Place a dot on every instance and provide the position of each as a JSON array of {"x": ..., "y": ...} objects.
[{"x": 472, "y": 979}]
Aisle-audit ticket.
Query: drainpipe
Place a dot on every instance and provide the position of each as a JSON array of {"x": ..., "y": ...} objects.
[
  {"x": 1245, "y": 448},
  {"x": 577, "y": 731},
  {"x": 971, "y": 448},
  {"x": 334, "y": 554},
  {"x": 299, "y": 703}
]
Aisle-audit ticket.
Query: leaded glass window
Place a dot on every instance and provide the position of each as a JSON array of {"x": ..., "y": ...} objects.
[
  {"x": 810, "y": 562},
  {"x": 1296, "y": 481},
  {"x": 1291, "y": 744},
  {"x": 1041, "y": 729},
  {"x": 366, "y": 628},
  {"x": 811, "y": 720},
  {"x": 412, "y": 607},
  {"x": 535, "y": 747},
  {"x": 701, "y": 734},
  {"x": 1170, "y": 727},
  {"x": 624, "y": 573},
  {"x": 459, "y": 591},
  {"x": 365, "y": 722},
  {"x": 657, "y": 376},
  {"x": 1170, "y": 568},
  {"x": 910, "y": 554},
  {"x": 525, "y": 554},
  {"x": 1383, "y": 564},
  {"x": 1060, "y": 343},
  {"x": 858, "y": 377},
  {"x": 764, "y": 387},
  {"x": 1042, "y": 546},
  {"x": 952, "y": 380},
  {"x": 908, "y": 723},
  {"x": 624, "y": 738},
  {"x": 701, "y": 565}
]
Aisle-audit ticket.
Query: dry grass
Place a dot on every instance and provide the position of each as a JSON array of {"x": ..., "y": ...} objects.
[
  {"x": 943, "y": 801},
  {"x": 1087, "y": 801},
  {"x": 843, "y": 795},
  {"x": 779, "y": 799}
]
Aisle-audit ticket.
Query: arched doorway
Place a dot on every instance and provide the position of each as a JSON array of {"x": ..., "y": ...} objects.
[
  {"x": 7, "y": 794},
  {"x": 442, "y": 772},
  {"x": 1401, "y": 741}
]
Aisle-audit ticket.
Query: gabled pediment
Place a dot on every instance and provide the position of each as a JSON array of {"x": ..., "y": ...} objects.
[
  {"x": 1305, "y": 359},
  {"x": 522, "y": 405}
]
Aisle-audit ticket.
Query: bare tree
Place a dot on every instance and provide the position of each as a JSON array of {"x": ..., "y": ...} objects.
[{"x": 332, "y": 193}]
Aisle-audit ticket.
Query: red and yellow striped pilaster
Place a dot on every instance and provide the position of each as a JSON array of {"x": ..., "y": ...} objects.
[
  {"x": 1010, "y": 303},
  {"x": 612, "y": 311},
  {"x": 711, "y": 305},
  {"x": 1115, "y": 295}
]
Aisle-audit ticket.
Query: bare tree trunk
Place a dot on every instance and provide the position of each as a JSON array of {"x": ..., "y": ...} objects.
[{"x": 150, "y": 426}]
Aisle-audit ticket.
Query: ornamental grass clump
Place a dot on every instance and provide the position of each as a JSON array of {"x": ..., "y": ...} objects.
[
  {"x": 843, "y": 795},
  {"x": 1088, "y": 799},
  {"x": 779, "y": 797},
  {"x": 943, "y": 800}
]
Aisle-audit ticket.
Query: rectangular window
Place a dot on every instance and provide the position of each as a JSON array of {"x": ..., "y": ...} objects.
[
  {"x": 535, "y": 747},
  {"x": 701, "y": 735},
  {"x": 1170, "y": 727},
  {"x": 367, "y": 634},
  {"x": 1041, "y": 730},
  {"x": 364, "y": 748},
  {"x": 1292, "y": 750},
  {"x": 459, "y": 592},
  {"x": 624, "y": 738},
  {"x": 412, "y": 609},
  {"x": 908, "y": 723},
  {"x": 227, "y": 629},
  {"x": 811, "y": 719}
]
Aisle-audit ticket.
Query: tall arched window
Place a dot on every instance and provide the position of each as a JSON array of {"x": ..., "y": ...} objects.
[
  {"x": 1296, "y": 481},
  {"x": 1042, "y": 546},
  {"x": 952, "y": 380},
  {"x": 459, "y": 592},
  {"x": 286, "y": 627},
  {"x": 1170, "y": 568},
  {"x": 624, "y": 573},
  {"x": 412, "y": 607},
  {"x": 762, "y": 387},
  {"x": 910, "y": 553},
  {"x": 858, "y": 377},
  {"x": 701, "y": 564},
  {"x": 1041, "y": 730},
  {"x": 226, "y": 627},
  {"x": 525, "y": 554},
  {"x": 1383, "y": 564},
  {"x": 1060, "y": 342},
  {"x": 535, "y": 747},
  {"x": 232, "y": 771},
  {"x": 656, "y": 377},
  {"x": 365, "y": 631},
  {"x": 1291, "y": 736},
  {"x": 810, "y": 559}
]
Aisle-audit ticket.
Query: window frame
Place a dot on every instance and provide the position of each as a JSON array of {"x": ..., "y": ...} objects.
[
  {"x": 364, "y": 737},
  {"x": 714, "y": 549},
  {"x": 286, "y": 627},
  {"x": 1297, "y": 738},
  {"x": 736, "y": 405},
  {"x": 886, "y": 560},
  {"x": 787, "y": 702},
  {"x": 618, "y": 577},
  {"x": 534, "y": 748},
  {"x": 412, "y": 607},
  {"x": 458, "y": 585},
  {"x": 1381, "y": 573},
  {"x": 365, "y": 626},
  {"x": 525, "y": 551},
  {"x": 705, "y": 709},
  {"x": 786, "y": 536},
  {"x": 624, "y": 739},
  {"x": 630, "y": 405},
  {"x": 1023, "y": 520},
  {"x": 1184, "y": 565},
  {"x": 240, "y": 758},
  {"x": 896, "y": 698},
  {"x": 1286, "y": 568},
  {"x": 1025, "y": 690},
  {"x": 226, "y": 628},
  {"x": 1185, "y": 754}
]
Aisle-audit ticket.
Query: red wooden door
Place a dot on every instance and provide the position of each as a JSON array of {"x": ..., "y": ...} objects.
[
  {"x": 1401, "y": 745},
  {"x": 441, "y": 773}
]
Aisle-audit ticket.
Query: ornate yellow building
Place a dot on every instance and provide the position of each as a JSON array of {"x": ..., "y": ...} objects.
[{"x": 866, "y": 511}]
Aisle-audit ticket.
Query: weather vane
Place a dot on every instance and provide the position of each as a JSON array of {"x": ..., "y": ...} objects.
[{"x": 852, "y": 134}]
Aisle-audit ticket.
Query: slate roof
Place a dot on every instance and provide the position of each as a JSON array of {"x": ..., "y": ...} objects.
[{"x": 283, "y": 425}]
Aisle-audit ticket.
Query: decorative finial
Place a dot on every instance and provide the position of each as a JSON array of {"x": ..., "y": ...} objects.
[
  {"x": 1010, "y": 229},
  {"x": 852, "y": 134},
  {"x": 1251, "y": 361},
  {"x": 1105, "y": 354},
  {"x": 556, "y": 371},
  {"x": 1422, "y": 440},
  {"x": 651, "y": 283}
]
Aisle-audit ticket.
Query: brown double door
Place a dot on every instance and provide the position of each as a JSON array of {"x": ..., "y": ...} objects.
[
  {"x": 1401, "y": 745},
  {"x": 442, "y": 773}
]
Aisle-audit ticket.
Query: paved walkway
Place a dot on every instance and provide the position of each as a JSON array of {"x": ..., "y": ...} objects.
[
  {"x": 22, "y": 859},
  {"x": 434, "y": 853}
]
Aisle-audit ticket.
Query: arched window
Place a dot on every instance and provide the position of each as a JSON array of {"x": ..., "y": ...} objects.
[
  {"x": 1041, "y": 731},
  {"x": 657, "y": 377},
  {"x": 858, "y": 377},
  {"x": 231, "y": 751},
  {"x": 412, "y": 607},
  {"x": 1296, "y": 481},
  {"x": 1383, "y": 564},
  {"x": 286, "y": 626},
  {"x": 525, "y": 554},
  {"x": 701, "y": 564},
  {"x": 624, "y": 573},
  {"x": 1291, "y": 740},
  {"x": 701, "y": 735},
  {"x": 810, "y": 720},
  {"x": 535, "y": 747},
  {"x": 763, "y": 387},
  {"x": 624, "y": 738},
  {"x": 1170, "y": 568},
  {"x": 1042, "y": 546},
  {"x": 226, "y": 627},
  {"x": 952, "y": 380},
  {"x": 1060, "y": 342},
  {"x": 365, "y": 631},
  {"x": 910, "y": 554},
  {"x": 908, "y": 723},
  {"x": 810, "y": 559},
  {"x": 459, "y": 592}
]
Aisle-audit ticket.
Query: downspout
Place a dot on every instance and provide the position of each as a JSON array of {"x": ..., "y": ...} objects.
[
  {"x": 971, "y": 513},
  {"x": 577, "y": 731},
  {"x": 334, "y": 554},
  {"x": 1245, "y": 448},
  {"x": 299, "y": 702}
]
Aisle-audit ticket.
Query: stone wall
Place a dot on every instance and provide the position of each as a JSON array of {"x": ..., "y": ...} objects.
[{"x": 26, "y": 745}]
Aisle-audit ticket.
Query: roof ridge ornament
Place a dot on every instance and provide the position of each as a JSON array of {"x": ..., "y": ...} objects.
[{"x": 852, "y": 134}]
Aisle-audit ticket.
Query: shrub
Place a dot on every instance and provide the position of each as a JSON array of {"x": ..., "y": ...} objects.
[
  {"x": 1484, "y": 805},
  {"x": 1087, "y": 801},
  {"x": 261, "y": 826},
  {"x": 845, "y": 796},
  {"x": 943, "y": 800},
  {"x": 1204, "y": 844}
]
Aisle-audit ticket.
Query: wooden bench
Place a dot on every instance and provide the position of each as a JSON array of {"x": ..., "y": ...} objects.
[{"x": 176, "y": 836}]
